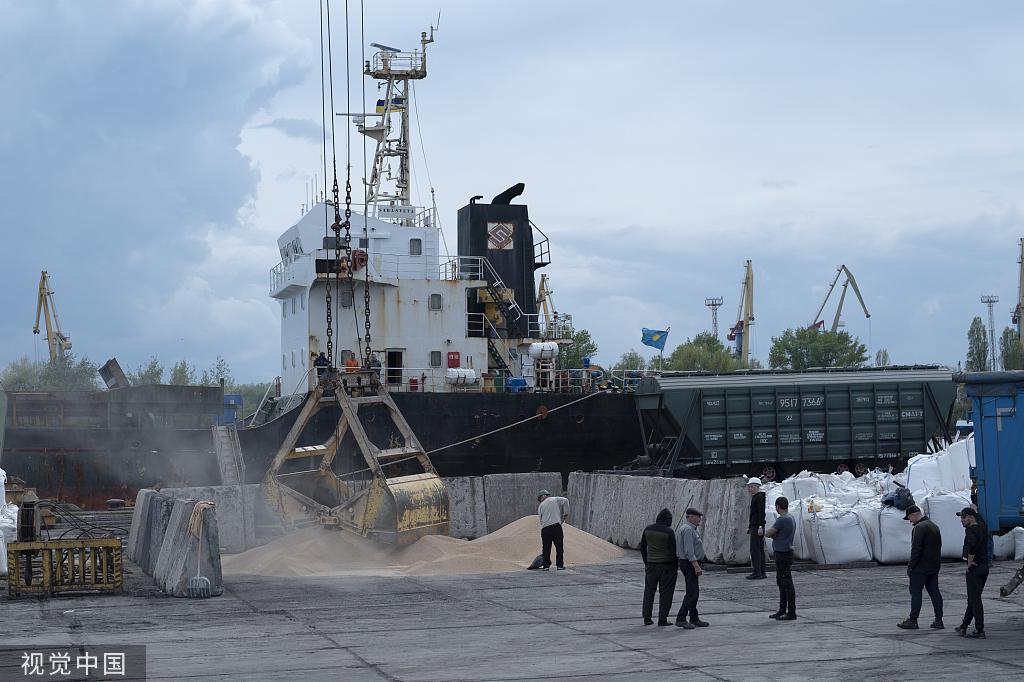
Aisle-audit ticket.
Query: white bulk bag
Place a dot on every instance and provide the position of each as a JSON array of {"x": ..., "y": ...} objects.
[
  {"x": 956, "y": 465},
  {"x": 889, "y": 533},
  {"x": 836, "y": 536},
  {"x": 924, "y": 474},
  {"x": 1018, "y": 544},
  {"x": 3, "y": 489},
  {"x": 941, "y": 507},
  {"x": 841, "y": 480},
  {"x": 9, "y": 522},
  {"x": 1003, "y": 546},
  {"x": 3, "y": 555},
  {"x": 803, "y": 485}
]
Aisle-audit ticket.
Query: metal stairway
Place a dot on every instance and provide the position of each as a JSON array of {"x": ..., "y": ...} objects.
[{"x": 229, "y": 455}]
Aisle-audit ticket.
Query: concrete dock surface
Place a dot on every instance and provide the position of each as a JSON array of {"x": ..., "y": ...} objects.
[{"x": 578, "y": 625}]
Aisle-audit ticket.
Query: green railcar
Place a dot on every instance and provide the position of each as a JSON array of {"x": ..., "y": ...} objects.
[{"x": 775, "y": 422}]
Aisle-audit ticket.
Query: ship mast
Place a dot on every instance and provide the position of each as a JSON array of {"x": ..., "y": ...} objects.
[{"x": 388, "y": 195}]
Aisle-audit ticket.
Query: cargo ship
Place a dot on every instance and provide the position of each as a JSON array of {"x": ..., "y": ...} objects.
[{"x": 467, "y": 343}]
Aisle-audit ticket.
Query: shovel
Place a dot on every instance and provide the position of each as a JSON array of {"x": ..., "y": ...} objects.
[{"x": 198, "y": 586}]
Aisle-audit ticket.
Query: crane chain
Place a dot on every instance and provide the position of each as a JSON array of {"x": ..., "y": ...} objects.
[
  {"x": 336, "y": 227},
  {"x": 350, "y": 265}
]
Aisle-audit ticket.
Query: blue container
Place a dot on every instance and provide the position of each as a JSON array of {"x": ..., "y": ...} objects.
[
  {"x": 232, "y": 406},
  {"x": 998, "y": 444}
]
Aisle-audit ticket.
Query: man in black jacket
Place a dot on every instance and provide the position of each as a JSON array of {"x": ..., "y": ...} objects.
[
  {"x": 755, "y": 528},
  {"x": 976, "y": 553},
  {"x": 923, "y": 569},
  {"x": 658, "y": 548}
]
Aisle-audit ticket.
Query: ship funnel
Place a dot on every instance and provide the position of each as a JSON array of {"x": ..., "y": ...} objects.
[{"x": 506, "y": 197}]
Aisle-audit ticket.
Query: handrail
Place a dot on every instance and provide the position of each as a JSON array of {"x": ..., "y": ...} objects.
[{"x": 266, "y": 396}]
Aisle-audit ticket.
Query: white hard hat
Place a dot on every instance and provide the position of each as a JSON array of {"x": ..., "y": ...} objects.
[{"x": 753, "y": 480}]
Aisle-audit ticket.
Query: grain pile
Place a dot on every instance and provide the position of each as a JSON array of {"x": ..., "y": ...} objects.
[{"x": 321, "y": 552}]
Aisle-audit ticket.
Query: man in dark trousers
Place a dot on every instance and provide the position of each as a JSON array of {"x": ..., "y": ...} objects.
[
  {"x": 552, "y": 511},
  {"x": 691, "y": 553},
  {"x": 658, "y": 548},
  {"x": 923, "y": 569},
  {"x": 782, "y": 533},
  {"x": 755, "y": 528},
  {"x": 976, "y": 553}
]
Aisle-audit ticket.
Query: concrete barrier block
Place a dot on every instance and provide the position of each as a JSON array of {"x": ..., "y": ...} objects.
[
  {"x": 509, "y": 497},
  {"x": 618, "y": 507},
  {"x": 236, "y": 512},
  {"x": 183, "y": 556},
  {"x": 467, "y": 511},
  {"x": 149, "y": 524}
]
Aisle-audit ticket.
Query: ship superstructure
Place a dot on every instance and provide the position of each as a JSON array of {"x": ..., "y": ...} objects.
[{"x": 440, "y": 322}]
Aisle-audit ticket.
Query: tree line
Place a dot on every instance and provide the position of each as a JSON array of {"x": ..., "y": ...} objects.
[
  {"x": 71, "y": 373},
  {"x": 796, "y": 349}
]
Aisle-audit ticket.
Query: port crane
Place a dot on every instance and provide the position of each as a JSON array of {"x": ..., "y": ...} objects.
[
  {"x": 850, "y": 282},
  {"x": 740, "y": 332},
  {"x": 58, "y": 342},
  {"x": 1018, "y": 311}
]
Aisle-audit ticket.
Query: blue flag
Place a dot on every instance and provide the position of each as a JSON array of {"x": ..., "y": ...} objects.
[{"x": 654, "y": 338}]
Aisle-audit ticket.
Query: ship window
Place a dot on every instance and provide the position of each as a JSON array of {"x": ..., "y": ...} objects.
[
  {"x": 364, "y": 243},
  {"x": 435, "y": 301},
  {"x": 293, "y": 358},
  {"x": 435, "y": 358},
  {"x": 284, "y": 309},
  {"x": 293, "y": 305},
  {"x": 302, "y": 298},
  {"x": 415, "y": 247},
  {"x": 346, "y": 298},
  {"x": 284, "y": 364},
  {"x": 302, "y": 356}
]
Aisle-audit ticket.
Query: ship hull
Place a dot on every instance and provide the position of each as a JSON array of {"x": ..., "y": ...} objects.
[{"x": 596, "y": 433}]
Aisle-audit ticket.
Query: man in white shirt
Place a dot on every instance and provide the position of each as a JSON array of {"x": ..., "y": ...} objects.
[{"x": 552, "y": 511}]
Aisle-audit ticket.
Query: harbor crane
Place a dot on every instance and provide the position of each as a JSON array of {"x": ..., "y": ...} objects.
[
  {"x": 851, "y": 282},
  {"x": 58, "y": 342},
  {"x": 1018, "y": 311},
  {"x": 740, "y": 332}
]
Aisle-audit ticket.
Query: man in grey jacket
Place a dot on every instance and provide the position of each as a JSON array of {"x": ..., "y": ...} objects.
[
  {"x": 691, "y": 553},
  {"x": 552, "y": 510}
]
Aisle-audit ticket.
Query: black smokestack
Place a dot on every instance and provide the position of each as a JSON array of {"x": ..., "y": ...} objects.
[{"x": 506, "y": 197}]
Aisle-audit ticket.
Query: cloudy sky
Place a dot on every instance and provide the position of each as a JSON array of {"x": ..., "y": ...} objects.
[{"x": 153, "y": 151}]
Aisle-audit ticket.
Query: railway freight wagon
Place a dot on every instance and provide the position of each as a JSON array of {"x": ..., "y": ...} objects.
[{"x": 775, "y": 423}]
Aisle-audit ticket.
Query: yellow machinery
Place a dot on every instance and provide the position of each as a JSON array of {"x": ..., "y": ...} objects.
[
  {"x": 46, "y": 308},
  {"x": 392, "y": 494},
  {"x": 848, "y": 282},
  {"x": 43, "y": 568}
]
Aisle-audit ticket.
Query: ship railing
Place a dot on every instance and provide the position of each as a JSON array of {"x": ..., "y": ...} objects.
[
  {"x": 289, "y": 273},
  {"x": 629, "y": 379},
  {"x": 277, "y": 274},
  {"x": 556, "y": 328},
  {"x": 408, "y": 216},
  {"x": 577, "y": 380},
  {"x": 462, "y": 267},
  {"x": 387, "y": 62},
  {"x": 424, "y": 380},
  {"x": 541, "y": 248},
  {"x": 400, "y": 266}
]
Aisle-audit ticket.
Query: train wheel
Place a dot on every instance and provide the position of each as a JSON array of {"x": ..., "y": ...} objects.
[
  {"x": 768, "y": 473},
  {"x": 860, "y": 468},
  {"x": 841, "y": 468}
]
